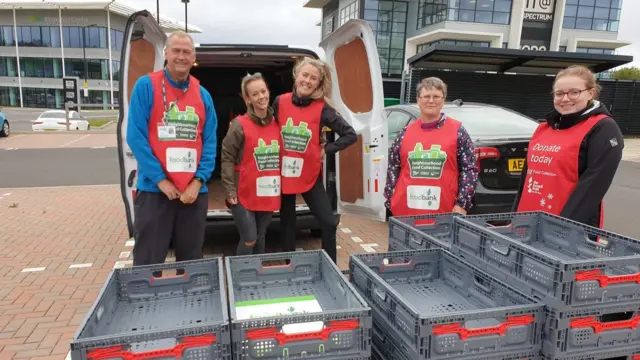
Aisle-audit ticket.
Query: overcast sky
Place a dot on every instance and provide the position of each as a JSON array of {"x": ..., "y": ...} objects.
[{"x": 286, "y": 22}]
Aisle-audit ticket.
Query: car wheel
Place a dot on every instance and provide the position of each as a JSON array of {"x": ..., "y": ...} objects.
[
  {"x": 4, "y": 132},
  {"x": 88, "y": 127}
]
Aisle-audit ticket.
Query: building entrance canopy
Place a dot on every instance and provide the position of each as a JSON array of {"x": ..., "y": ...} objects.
[{"x": 501, "y": 60}]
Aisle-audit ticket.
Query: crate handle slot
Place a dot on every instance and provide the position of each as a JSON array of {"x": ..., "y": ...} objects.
[
  {"x": 500, "y": 223},
  {"x": 503, "y": 250},
  {"x": 481, "y": 283},
  {"x": 162, "y": 280},
  {"x": 501, "y": 329},
  {"x": 381, "y": 294},
  {"x": 414, "y": 239},
  {"x": 385, "y": 264},
  {"x": 282, "y": 338},
  {"x": 264, "y": 265},
  {"x": 119, "y": 352},
  {"x": 606, "y": 280},
  {"x": 425, "y": 222},
  {"x": 599, "y": 326}
]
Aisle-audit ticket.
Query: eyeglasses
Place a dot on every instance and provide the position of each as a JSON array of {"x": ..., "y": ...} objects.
[
  {"x": 430, "y": 97},
  {"x": 572, "y": 94}
]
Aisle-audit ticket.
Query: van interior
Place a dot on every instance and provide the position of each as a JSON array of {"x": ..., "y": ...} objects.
[{"x": 221, "y": 70}]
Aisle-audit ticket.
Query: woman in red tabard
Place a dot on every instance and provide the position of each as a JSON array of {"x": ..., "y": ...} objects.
[
  {"x": 432, "y": 166},
  {"x": 574, "y": 155},
  {"x": 301, "y": 115},
  {"x": 251, "y": 166}
]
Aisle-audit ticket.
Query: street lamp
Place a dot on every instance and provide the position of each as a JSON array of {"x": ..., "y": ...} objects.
[
  {"x": 186, "y": 2},
  {"x": 158, "y": 10},
  {"x": 84, "y": 53}
]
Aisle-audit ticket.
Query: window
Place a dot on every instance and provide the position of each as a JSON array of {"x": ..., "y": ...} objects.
[
  {"x": 117, "y": 40},
  {"x": 388, "y": 21},
  {"x": 8, "y": 66},
  {"x": 328, "y": 26},
  {"x": 481, "y": 11},
  {"x": 595, "y": 51},
  {"x": 602, "y": 15},
  {"x": 349, "y": 12},
  {"x": 467, "y": 43},
  {"x": 97, "y": 69},
  {"x": 396, "y": 121},
  {"x": 482, "y": 121},
  {"x": 115, "y": 68}
]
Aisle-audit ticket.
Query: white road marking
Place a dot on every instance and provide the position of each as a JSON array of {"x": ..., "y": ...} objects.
[
  {"x": 369, "y": 247},
  {"x": 122, "y": 264},
  {"x": 9, "y": 149},
  {"x": 356, "y": 239},
  {"x": 98, "y": 147},
  {"x": 130, "y": 243},
  {"x": 75, "y": 140},
  {"x": 68, "y": 356},
  {"x": 345, "y": 230},
  {"x": 6, "y": 194},
  {"x": 64, "y": 186},
  {"x": 34, "y": 269},
  {"x": 338, "y": 247},
  {"x": 299, "y": 249},
  {"x": 124, "y": 255},
  {"x": 78, "y": 266}
]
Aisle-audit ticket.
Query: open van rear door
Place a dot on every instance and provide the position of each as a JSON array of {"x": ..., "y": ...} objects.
[
  {"x": 142, "y": 53},
  {"x": 357, "y": 93}
]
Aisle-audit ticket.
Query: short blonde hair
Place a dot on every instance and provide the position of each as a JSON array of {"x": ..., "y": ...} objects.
[
  {"x": 582, "y": 72},
  {"x": 432, "y": 83},
  {"x": 180, "y": 34}
]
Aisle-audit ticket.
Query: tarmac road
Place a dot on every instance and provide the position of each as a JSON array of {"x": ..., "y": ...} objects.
[
  {"x": 20, "y": 119},
  {"x": 99, "y": 166}
]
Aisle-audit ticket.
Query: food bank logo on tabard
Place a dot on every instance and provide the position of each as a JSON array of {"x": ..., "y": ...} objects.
[
  {"x": 426, "y": 164},
  {"x": 296, "y": 138},
  {"x": 267, "y": 157},
  {"x": 539, "y": 10}
]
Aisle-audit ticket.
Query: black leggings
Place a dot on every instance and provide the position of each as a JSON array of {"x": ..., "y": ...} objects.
[
  {"x": 320, "y": 206},
  {"x": 252, "y": 226}
]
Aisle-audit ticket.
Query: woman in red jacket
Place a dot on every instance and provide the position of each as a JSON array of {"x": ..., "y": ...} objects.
[
  {"x": 251, "y": 166},
  {"x": 574, "y": 155},
  {"x": 302, "y": 114}
]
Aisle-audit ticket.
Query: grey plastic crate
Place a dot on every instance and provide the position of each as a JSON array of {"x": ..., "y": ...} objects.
[
  {"x": 137, "y": 314},
  {"x": 592, "y": 329},
  {"x": 552, "y": 258},
  {"x": 384, "y": 347},
  {"x": 421, "y": 232},
  {"x": 620, "y": 353},
  {"x": 346, "y": 317},
  {"x": 436, "y": 306}
]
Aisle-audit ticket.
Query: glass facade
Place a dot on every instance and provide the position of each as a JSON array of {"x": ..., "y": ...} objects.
[
  {"x": 50, "y": 98},
  {"x": 480, "y": 11},
  {"x": 388, "y": 20},
  {"x": 49, "y": 36},
  {"x": 97, "y": 69},
  {"x": 596, "y": 51},
  {"x": 603, "y": 15},
  {"x": 349, "y": 12},
  {"x": 422, "y": 47}
]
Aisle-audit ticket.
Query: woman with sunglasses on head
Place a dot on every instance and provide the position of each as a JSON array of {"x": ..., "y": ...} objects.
[
  {"x": 574, "y": 155},
  {"x": 301, "y": 115},
  {"x": 251, "y": 166}
]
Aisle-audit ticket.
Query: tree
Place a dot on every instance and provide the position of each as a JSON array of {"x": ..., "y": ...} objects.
[{"x": 627, "y": 73}]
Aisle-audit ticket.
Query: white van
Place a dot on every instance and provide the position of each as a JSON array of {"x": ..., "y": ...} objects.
[{"x": 354, "y": 178}]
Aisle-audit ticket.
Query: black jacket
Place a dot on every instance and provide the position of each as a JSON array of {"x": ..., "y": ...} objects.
[
  {"x": 599, "y": 157},
  {"x": 329, "y": 118}
]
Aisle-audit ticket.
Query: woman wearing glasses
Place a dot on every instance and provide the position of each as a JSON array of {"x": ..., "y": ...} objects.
[
  {"x": 432, "y": 163},
  {"x": 574, "y": 155}
]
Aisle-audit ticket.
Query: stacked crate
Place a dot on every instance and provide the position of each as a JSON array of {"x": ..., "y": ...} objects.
[{"x": 588, "y": 279}]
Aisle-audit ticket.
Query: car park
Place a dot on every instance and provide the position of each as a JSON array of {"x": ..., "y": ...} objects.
[
  {"x": 353, "y": 178},
  {"x": 56, "y": 120},
  {"x": 501, "y": 137}
]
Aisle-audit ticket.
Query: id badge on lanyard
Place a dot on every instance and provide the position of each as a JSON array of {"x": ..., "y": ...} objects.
[{"x": 166, "y": 131}]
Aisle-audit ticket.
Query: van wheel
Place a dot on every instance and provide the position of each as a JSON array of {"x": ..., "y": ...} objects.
[{"x": 316, "y": 233}]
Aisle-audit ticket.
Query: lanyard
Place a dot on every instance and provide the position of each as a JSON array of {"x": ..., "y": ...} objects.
[{"x": 173, "y": 103}]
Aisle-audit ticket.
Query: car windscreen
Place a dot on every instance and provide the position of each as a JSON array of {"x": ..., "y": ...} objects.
[
  {"x": 53, "y": 115},
  {"x": 492, "y": 122}
]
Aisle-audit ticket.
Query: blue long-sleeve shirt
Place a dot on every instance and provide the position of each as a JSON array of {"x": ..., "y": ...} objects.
[{"x": 150, "y": 172}]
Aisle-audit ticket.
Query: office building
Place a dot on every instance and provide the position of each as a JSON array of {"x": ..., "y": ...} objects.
[
  {"x": 41, "y": 42},
  {"x": 405, "y": 28}
]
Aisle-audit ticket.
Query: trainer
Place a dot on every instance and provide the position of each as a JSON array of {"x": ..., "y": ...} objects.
[{"x": 172, "y": 132}]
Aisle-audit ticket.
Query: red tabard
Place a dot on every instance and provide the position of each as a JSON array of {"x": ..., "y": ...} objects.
[
  {"x": 552, "y": 167},
  {"x": 259, "y": 178},
  {"x": 177, "y": 141},
  {"x": 301, "y": 160},
  {"x": 428, "y": 181}
]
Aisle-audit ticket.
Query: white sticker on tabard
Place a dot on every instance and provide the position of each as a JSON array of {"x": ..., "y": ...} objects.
[
  {"x": 423, "y": 197},
  {"x": 181, "y": 160},
  {"x": 268, "y": 186},
  {"x": 166, "y": 132},
  {"x": 291, "y": 166}
]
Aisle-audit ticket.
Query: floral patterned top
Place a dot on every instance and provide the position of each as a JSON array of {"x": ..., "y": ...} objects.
[{"x": 467, "y": 165}]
